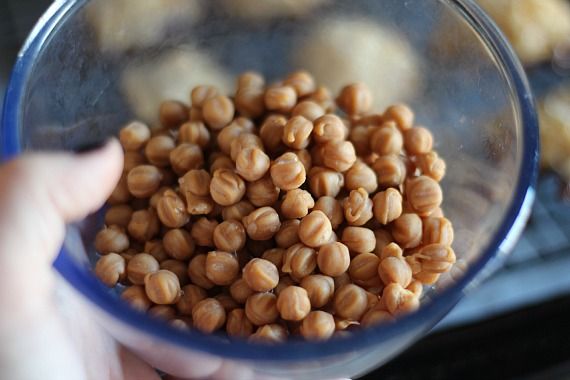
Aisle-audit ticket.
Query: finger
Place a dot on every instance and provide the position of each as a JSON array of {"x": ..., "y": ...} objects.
[{"x": 134, "y": 368}]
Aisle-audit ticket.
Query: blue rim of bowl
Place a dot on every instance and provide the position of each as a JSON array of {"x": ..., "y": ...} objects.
[{"x": 511, "y": 227}]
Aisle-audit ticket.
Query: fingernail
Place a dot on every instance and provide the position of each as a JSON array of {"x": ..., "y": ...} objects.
[{"x": 92, "y": 146}]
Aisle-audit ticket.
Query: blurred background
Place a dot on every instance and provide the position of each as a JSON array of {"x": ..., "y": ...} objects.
[{"x": 517, "y": 325}]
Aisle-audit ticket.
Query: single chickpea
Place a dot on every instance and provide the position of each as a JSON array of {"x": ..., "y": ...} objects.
[
  {"x": 134, "y": 136},
  {"x": 262, "y": 192},
  {"x": 158, "y": 148},
  {"x": 261, "y": 308},
  {"x": 296, "y": 204},
  {"x": 355, "y": 99},
  {"x": 238, "y": 325},
  {"x": 293, "y": 303},
  {"x": 111, "y": 269},
  {"x": 350, "y": 302},
  {"x": 325, "y": 182},
  {"x": 431, "y": 165},
  {"x": 383, "y": 238},
  {"x": 143, "y": 180},
  {"x": 329, "y": 128},
  {"x": 240, "y": 291},
  {"x": 303, "y": 83},
  {"x": 315, "y": 229},
  {"x": 172, "y": 210},
  {"x": 262, "y": 223},
  {"x": 297, "y": 132},
  {"x": 226, "y": 187},
  {"x": 308, "y": 109},
  {"x": 280, "y": 99},
  {"x": 218, "y": 111},
  {"x": 208, "y": 315},
  {"x": 178, "y": 267},
  {"x": 333, "y": 259},
  {"x": 202, "y": 93},
  {"x": 401, "y": 114},
  {"x": 139, "y": 266},
  {"x": 269, "y": 334},
  {"x": 196, "y": 181},
  {"x": 320, "y": 289},
  {"x": 387, "y": 206},
  {"x": 299, "y": 261},
  {"x": 332, "y": 209},
  {"x": 390, "y": 170},
  {"x": 323, "y": 97},
  {"x": 375, "y": 317},
  {"x": 164, "y": 312},
  {"x": 287, "y": 235},
  {"x": 364, "y": 268},
  {"x": 237, "y": 211},
  {"x": 229, "y": 236},
  {"x": 339, "y": 155},
  {"x": 418, "y": 140},
  {"x": 136, "y": 297},
  {"x": 361, "y": 175},
  {"x": 162, "y": 287},
  {"x": 437, "y": 231},
  {"x": 111, "y": 239},
  {"x": 399, "y": 300},
  {"x": 407, "y": 230},
  {"x": 423, "y": 194},
  {"x": 222, "y": 268},
  {"x": 318, "y": 325},
  {"x": 227, "y": 135},
  {"x": 250, "y": 101},
  {"x": 360, "y": 137},
  {"x": 178, "y": 244},
  {"x": 288, "y": 172},
  {"x": 392, "y": 250},
  {"x": 261, "y": 275},
  {"x": 197, "y": 272},
  {"x": 194, "y": 132},
  {"x": 250, "y": 79},
  {"x": 243, "y": 141},
  {"x": 436, "y": 258},
  {"x": 119, "y": 215},
  {"x": 271, "y": 132},
  {"x": 395, "y": 270},
  {"x": 386, "y": 139},
  {"x": 357, "y": 207},
  {"x": 172, "y": 113},
  {"x": 144, "y": 225},
  {"x": 358, "y": 239},
  {"x": 252, "y": 163},
  {"x": 185, "y": 157},
  {"x": 198, "y": 205},
  {"x": 132, "y": 159}
]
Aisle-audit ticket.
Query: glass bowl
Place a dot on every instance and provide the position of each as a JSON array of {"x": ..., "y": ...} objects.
[{"x": 89, "y": 67}]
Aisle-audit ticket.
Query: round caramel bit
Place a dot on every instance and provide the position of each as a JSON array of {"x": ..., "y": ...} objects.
[
  {"x": 407, "y": 230},
  {"x": 339, "y": 155},
  {"x": 332, "y": 209},
  {"x": 119, "y": 215},
  {"x": 238, "y": 325},
  {"x": 261, "y": 275},
  {"x": 360, "y": 137},
  {"x": 297, "y": 132},
  {"x": 229, "y": 236},
  {"x": 195, "y": 181},
  {"x": 395, "y": 270},
  {"x": 250, "y": 79},
  {"x": 178, "y": 244},
  {"x": 296, "y": 204},
  {"x": 358, "y": 239},
  {"x": 387, "y": 206},
  {"x": 132, "y": 159},
  {"x": 172, "y": 113},
  {"x": 134, "y": 136},
  {"x": 136, "y": 297},
  {"x": 399, "y": 300},
  {"x": 244, "y": 141},
  {"x": 303, "y": 82},
  {"x": 218, "y": 111},
  {"x": 208, "y": 315},
  {"x": 431, "y": 165},
  {"x": 158, "y": 148},
  {"x": 361, "y": 175},
  {"x": 293, "y": 303},
  {"x": 261, "y": 308},
  {"x": 111, "y": 269},
  {"x": 319, "y": 325},
  {"x": 308, "y": 109},
  {"x": 275, "y": 256},
  {"x": 262, "y": 192},
  {"x": 350, "y": 302},
  {"x": 197, "y": 272},
  {"x": 194, "y": 132},
  {"x": 240, "y": 291},
  {"x": 423, "y": 194},
  {"x": 144, "y": 180},
  {"x": 222, "y": 268},
  {"x": 383, "y": 238},
  {"x": 288, "y": 172},
  {"x": 288, "y": 233},
  {"x": 355, "y": 99},
  {"x": 162, "y": 287},
  {"x": 178, "y": 267},
  {"x": 299, "y": 261},
  {"x": 329, "y": 128},
  {"x": 281, "y": 99},
  {"x": 401, "y": 114},
  {"x": 375, "y": 317},
  {"x": 250, "y": 101},
  {"x": 363, "y": 268},
  {"x": 320, "y": 289},
  {"x": 390, "y": 170},
  {"x": 252, "y": 163},
  {"x": 271, "y": 132},
  {"x": 144, "y": 225},
  {"x": 111, "y": 239},
  {"x": 139, "y": 266},
  {"x": 315, "y": 229},
  {"x": 172, "y": 210},
  {"x": 269, "y": 334},
  {"x": 357, "y": 207},
  {"x": 164, "y": 312},
  {"x": 418, "y": 140},
  {"x": 201, "y": 93},
  {"x": 237, "y": 211},
  {"x": 226, "y": 187},
  {"x": 325, "y": 182},
  {"x": 437, "y": 231},
  {"x": 262, "y": 224},
  {"x": 227, "y": 135},
  {"x": 333, "y": 259},
  {"x": 386, "y": 139},
  {"x": 186, "y": 157}
]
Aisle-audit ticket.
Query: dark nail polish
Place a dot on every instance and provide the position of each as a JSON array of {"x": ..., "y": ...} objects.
[{"x": 89, "y": 147}]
